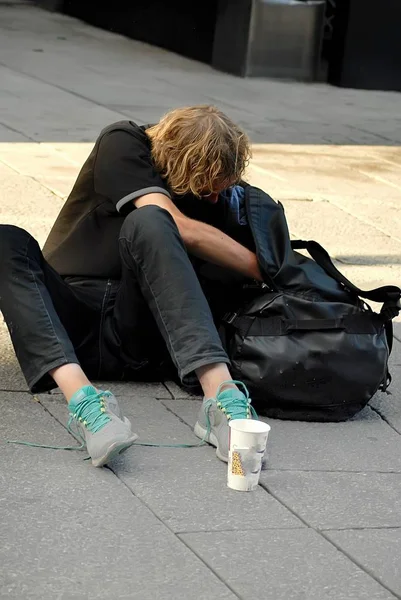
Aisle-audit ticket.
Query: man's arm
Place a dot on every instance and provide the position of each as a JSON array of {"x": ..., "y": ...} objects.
[{"x": 207, "y": 242}]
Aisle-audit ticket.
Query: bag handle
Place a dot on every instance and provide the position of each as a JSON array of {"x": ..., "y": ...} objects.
[{"x": 389, "y": 295}]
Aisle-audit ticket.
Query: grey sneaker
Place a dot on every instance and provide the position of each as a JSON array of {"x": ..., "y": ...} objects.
[
  {"x": 100, "y": 424},
  {"x": 215, "y": 413}
]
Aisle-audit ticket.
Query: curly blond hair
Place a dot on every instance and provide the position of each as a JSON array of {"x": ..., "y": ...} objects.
[{"x": 196, "y": 148}]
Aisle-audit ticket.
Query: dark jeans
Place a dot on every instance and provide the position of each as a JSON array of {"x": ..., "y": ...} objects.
[{"x": 156, "y": 314}]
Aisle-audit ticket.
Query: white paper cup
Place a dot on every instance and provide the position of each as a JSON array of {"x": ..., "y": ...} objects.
[{"x": 247, "y": 445}]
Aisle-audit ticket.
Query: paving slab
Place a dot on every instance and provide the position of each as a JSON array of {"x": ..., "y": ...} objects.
[
  {"x": 9, "y": 135},
  {"x": 395, "y": 356},
  {"x": 177, "y": 391},
  {"x": 46, "y": 120},
  {"x": 35, "y": 160},
  {"x": 389, "y": 405},
  {"x": 364, "y": 443},
  {"x": 74, "y": 153},
  {"x": 297, "y": 153},
  {"x": 348, "y": 178},
  {"x": 26, "y": 203},
  {"x": 24, "y": 419},
  {"x": 378, "y": 551},
  {"x": 356, "y": 164},
  {"x": 11, "y": 378},
  {"x": 284, "y": 565},
  {"x": 186, "y": 409},
  {"x": 69, "y": 530},
  {"x": 382, "y": 213},
  {"x": 52, "y": 169},
  {"x": 340, "y": 233},
  {"x": 338, "y": 500},
  {"x": 362, "y": 180},
  {"x": 187, "y": 489}
]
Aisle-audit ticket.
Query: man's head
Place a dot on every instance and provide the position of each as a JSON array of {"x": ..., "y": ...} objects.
[{"x": 199, "y": 150}]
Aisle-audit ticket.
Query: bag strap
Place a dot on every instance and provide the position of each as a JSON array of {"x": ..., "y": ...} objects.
[
  {"x": 389, "y": 295},
  {"x": 248, "y": 325}
]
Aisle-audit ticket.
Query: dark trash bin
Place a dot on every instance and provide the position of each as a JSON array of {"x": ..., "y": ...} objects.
[{"x": 270, "y": 38}]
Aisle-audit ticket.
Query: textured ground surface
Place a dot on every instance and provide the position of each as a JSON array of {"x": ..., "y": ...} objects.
[{"x": 160, "y": 523}]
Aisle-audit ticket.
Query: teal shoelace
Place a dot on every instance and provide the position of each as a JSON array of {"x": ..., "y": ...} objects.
[
  {"x": 92, "y": 415},
  {"x": 234, "y": 407},
  {"x": 91, "y": 412}
]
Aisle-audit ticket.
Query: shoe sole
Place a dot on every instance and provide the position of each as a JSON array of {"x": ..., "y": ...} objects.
[
  {"x": 114, "y": 450},
  {"x": 211, "y": 439}
]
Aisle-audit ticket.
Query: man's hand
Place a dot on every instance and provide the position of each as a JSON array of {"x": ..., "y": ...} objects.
[{"x": 207, "y": 242}]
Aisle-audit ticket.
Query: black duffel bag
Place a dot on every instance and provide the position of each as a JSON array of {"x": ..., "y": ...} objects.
[{"x": 307, "y": 346}]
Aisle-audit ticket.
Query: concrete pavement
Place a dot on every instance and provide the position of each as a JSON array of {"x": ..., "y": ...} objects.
[{"x": 160, "y": 523}]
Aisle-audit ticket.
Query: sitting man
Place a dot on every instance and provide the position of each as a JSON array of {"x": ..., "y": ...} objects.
[{"x": 119, "y": 286}]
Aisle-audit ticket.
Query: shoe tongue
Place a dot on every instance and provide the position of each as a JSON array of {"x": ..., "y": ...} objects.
[
  {"x": 81, "y": 394},
  {"x": 231, "y": 394}
]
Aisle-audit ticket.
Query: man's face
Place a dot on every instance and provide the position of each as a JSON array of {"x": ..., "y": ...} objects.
[{"x": 213, "y": 196}]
